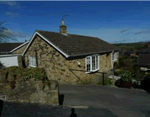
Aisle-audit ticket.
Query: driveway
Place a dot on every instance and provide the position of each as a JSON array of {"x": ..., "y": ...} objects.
[{"x": 122, "y": 102}]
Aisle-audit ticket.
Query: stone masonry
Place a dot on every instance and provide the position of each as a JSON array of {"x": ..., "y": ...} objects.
[
  {"x": 20, "y": 50},
  {"x": 57, "y": 66}
]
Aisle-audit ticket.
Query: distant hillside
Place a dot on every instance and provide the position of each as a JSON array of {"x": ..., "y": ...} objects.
[{"x": 132, "y": 46}]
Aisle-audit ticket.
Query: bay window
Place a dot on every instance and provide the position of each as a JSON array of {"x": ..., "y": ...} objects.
[{"x": 92, "y": 63}]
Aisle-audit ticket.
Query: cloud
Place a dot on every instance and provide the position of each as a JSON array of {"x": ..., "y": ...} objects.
[
  {"x": 124, "y": 30},
  {"x": 20, "y": 34},
  {"x": 10, "y": 3},
  {"x": 143, "y": 32},
  {"x": 11, "y": 14},
  {"x": 15, "y": 33}
]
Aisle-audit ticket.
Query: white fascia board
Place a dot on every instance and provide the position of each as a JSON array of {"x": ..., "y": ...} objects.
[
  {"x": 47, "y": 42},
  {"x": 29, "y": 44},
  {"x": 5, "y": 55},
  {"x": 19, "y": 46},
  {"x": 53, "y": 45}
]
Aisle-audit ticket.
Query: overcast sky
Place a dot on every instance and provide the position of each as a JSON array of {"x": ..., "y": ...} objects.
[{"x": 114, "y": 22}]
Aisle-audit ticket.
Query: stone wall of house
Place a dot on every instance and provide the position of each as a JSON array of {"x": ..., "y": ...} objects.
[
  {"x": 20, "y": 50},
  {"x": 57, "y": 67},
  {"x": 20, "y": 62}
]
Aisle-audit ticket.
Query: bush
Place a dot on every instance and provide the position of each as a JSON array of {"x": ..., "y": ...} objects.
[
  {"x": 127, "y": 76},
  {"x": 121, "y": 62},
  {"x": 107, "y": 81},
  {"x": 116, "y": 65},
  {"x": 118, "y": 73},
  {"x": 22, "y": 74},
  {"x": 36, "y": 73},
  {"x": 1, "y": 65}
]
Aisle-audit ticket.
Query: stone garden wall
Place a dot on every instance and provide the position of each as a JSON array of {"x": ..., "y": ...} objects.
[
  {"x": 14, "y": 88},
  {"x": 57, "y": 66}
]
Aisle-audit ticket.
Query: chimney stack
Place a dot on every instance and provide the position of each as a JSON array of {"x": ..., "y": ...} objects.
[{"x": 63, "y": 27}]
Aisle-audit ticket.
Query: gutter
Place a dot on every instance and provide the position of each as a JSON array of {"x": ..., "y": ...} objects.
[{"x": 77, "y": 55}]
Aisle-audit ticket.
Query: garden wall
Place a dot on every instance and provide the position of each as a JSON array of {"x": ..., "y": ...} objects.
[{"x": 15, "y": 88}]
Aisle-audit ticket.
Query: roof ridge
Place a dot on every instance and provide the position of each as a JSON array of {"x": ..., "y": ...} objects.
[{"x": 69, "y": 34}]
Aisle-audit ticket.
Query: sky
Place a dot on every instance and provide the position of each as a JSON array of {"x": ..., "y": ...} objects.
[{"x": 111, "y": 21}]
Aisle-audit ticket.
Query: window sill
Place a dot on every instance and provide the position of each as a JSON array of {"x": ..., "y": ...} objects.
[
  {"x": 114, "y": 60},
  {"x": 92, "y": 71},
  {"x": 32, "y": 66}
]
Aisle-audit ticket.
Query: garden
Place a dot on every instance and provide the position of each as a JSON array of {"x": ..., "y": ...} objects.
[{"x": 129, "y": 74}]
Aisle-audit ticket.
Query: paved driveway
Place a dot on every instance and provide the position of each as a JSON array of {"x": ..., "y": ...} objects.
[{"x": 122, "y": 102}]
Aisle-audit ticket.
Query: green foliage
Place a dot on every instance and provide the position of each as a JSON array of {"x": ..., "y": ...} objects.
[
  {"x": 121, "y": 61},
  {"x": 118, "y": 73},
  {"x": 1, "y": 65},
  {"x": 127, "y": 76},
  {"x": 116, "y": 65},
  {"x": 107, "y": 81},
  {"x": 36, "y": 73},
  {"x": 24, "y": 73}
]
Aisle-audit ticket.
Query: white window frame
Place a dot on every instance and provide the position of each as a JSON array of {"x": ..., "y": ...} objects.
[
  {"x": 91, "y": 63},
  {"x": 31, "y": 59},
  {"x": 114, "y": 56}
]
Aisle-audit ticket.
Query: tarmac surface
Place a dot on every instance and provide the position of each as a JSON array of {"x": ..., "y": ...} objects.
[{"x": 87, "y": 101}]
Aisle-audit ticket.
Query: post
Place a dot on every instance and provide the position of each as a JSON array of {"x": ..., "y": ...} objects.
[{"x": 103, "y": 78}]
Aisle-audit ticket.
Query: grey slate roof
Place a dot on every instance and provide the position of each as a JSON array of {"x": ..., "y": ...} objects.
[
  {"x": 76, "y": 44},
  {"x": 143, "y": 60},
  {"x": 7, "y": 47}
]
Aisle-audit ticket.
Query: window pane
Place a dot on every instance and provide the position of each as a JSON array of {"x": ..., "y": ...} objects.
[
  {"x": 34, "y": 61},
  {"x": 88, "y": 63},
  {"x": 96, "y": 62},
  {"x": 30, "y": 61},
  {"x": 113, "y": 56},
  {"x": 93, "y": 62},
  {"x": 88, "y": 67}
]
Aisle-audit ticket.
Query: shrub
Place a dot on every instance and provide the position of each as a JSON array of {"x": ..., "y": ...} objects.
[
  {"x": 107, "y": 81},
  {"x": 23, "y": 74},
  {"x": 121, "y": 62},
  {"x": 36, "y": 73},
  {"x": 119, "y": 72},
  {"x": 127, "y": 76},
  {"x": 116, "y": 65},
  {"x": 1, "y": 65}
]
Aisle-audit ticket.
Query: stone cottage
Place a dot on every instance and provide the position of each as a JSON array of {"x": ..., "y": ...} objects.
[{"x": 70, "y": 58}]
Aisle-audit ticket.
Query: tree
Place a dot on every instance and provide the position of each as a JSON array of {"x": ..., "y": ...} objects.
[{"x": 6, "y": 34}]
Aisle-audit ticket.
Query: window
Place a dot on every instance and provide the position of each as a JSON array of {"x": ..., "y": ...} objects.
[
  {"x": 114, "y": 56},
  {"x": 32, "y": 61},
  {"x": 92, "y": 63}
]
